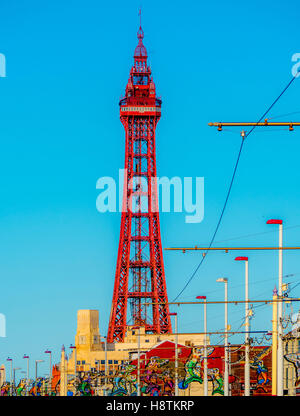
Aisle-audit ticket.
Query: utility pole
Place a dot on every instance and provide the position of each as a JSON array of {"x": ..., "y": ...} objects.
[
  {"x": 247, "y": 327},
  {"x": 226, "y": 375},
  {"x": 205, "y": 345},
  {"x": 280, "y": 316},
  {"x": 274, "y": 344},
  {"x": 176, "y": 353},
  {"x": 73, "y": 347}
]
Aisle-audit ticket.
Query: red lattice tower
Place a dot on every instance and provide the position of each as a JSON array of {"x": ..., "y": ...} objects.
[{"x": 140, "y": 276}]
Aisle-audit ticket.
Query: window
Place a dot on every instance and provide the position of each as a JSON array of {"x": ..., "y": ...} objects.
[
  {"x": 83, "y": 362},
  {"x": 147, "y": 340},
  {"x": 96, "y": 339},
  {"x": 115, "y": 361},
  {"x": 109, "y": 361},
  {"x": 81, "y": 339},
  {"x": 78, "y": 362},
  {"x": 102, "y": 361},
  {"x": 133, "y": 332}
]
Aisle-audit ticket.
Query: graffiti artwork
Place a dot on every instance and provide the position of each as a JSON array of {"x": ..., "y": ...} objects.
[
  {"x": 261, "y": 370},
  {"x": 157, "y": 374}
]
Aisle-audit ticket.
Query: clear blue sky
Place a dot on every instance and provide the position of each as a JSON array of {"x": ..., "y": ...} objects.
[{"x": 67, "y": 66}]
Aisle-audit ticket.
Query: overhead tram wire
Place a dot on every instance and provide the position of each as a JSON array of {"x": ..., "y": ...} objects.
[{"x": 246, "y": 135}]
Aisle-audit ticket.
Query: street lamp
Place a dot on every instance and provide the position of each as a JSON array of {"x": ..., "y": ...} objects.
[
  {"x": 105, "y": 369},
  {"x": 50, "y": 370},
  {"x": 27, "y": 381},
  {"x": 176, "y": 352},
  {"x": 226, "y": 375},
  {"x": 73, "y": 347},
  {"x": 247, "y": 327},
  {"x": 10, "y": 386},
  {"x": 139, "y": 361},
  {"x": 205, "y": 346},
  {"x": 280, "y": 329}
]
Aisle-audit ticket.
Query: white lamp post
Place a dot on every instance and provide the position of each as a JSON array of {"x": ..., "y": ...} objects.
[
  {"x": 280, "y": 328},
  {"x": 11, "y": 380},
  {"x": 176, "y": 352},
  {"x": 27, "y": 376},
  {"x": 247, "y": 327},
  {"x": 205, "y": 346},
  {"x": 226, "y": 372},
  {"x": 50, "y": 370}
]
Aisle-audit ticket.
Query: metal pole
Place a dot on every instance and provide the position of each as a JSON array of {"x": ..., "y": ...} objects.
[
  {"x": 274, "y": 345},
  {"x": 50, "y": 373},
  {"x": 75, "y": 368},
  {"x": 11, "y": 380},
  {"x": 98, "y": 380},
  {"x": 247, "y": 327},
  {"x": 176, "y": 357},
  {"x": 205, "y": 352},
  {"x": 280, "y": 329},
  {"x": 226, "y": 341},
  {"x": 105, "y": 378},
  {"x": 229, "y": 366},
  {"x": 139, "y": 364},
  {"x": 27, "y": 384}
]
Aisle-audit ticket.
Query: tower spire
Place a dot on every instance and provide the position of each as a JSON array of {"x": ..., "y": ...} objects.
[{"x": 140, "y": 293}]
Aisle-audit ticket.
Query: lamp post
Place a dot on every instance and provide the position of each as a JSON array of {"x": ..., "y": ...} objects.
[
  {"x": 98, "y": 382},
  {"x": 10, "y": 382},
  {"x": 105, "y": 370},
  {"x": 50, "y": 370},
  {"x": 274, "y": 342},
  {"x": 27, "y": 376},
  {"x": 280, "y": 328},
  {"x": 73, "y": 347},
  {"x": 139, "y": 361},
  {"x": 247, "y": 327},
  {"x": 176, "y": 352},
  {"x": 205, "y": 346},
  {"x": 226, "y": 375}
]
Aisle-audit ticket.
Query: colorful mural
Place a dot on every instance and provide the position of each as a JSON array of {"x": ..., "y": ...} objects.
[
  {"x": 261, "y": 370},
  {"x": 157, "y": 374}
]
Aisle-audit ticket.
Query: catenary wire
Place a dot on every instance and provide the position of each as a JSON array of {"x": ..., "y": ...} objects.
[{"x": 231, "y": 183}]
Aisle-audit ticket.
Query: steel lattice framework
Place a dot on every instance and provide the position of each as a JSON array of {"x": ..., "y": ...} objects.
[{"x": 140, "y": 275}]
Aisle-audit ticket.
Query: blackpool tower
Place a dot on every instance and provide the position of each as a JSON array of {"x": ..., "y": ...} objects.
[{"x": 140, "y": 295}]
